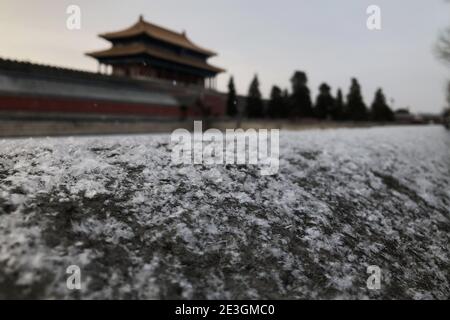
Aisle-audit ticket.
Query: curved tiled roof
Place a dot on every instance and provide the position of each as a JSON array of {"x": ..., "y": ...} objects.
[
  {"x": 157, "y": 32},
  {"x": 135, "y": 49}
]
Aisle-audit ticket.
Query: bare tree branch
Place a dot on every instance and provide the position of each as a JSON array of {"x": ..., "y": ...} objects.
[{"x": 443, "y": 47}]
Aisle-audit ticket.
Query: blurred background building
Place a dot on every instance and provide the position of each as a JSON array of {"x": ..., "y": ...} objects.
[{"x": 149, "y": 73}]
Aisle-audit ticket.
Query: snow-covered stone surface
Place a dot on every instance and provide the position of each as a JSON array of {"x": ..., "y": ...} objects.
[{"x": 142, "y": 228}]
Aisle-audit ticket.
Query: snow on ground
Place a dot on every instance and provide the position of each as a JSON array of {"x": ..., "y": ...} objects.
[{"x": 142, "y": 228}]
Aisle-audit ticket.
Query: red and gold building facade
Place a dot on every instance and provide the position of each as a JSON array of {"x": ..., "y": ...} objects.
[
  {"x": 147, "y": 50},
  {"x": 153, "y": 73}
]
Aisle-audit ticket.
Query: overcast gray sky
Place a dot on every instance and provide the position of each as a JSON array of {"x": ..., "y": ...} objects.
[{"x": 326, "y": 38}]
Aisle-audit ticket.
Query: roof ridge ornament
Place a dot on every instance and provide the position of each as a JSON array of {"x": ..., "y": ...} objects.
[{"x": 148, "y": 29}]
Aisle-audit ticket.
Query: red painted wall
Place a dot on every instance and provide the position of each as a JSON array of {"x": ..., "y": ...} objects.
[
  {"x": 63, "y": 105},
  {"x": 216, "y": 103}
]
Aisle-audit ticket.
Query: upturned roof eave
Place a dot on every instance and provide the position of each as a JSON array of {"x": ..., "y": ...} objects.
[
  {"x": 193, "y": 47},
  {"x": 104, "y": 54}
]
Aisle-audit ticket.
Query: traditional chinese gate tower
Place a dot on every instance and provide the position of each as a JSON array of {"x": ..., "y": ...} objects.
[{"x": 148, "y": 50}]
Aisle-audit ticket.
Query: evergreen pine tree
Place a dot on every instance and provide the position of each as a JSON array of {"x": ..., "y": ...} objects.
[
  {"x": 338, "y": 112},
  {"x": 356, "y": 108},
  {"x": 284, "y": 112},
  {"x": 254, "y": 100},
  {"x": 276, "y": 103},
  {"x": 448, "y": 96},
  {"x": 301, "y": 105},
  {"x": 380, "y": 111},
  {"x": 232, "y": 99},
  {"x": 325, "y": 102}
]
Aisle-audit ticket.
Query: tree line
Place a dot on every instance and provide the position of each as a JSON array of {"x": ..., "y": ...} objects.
[
  {"x": 443, "y": 53},
  {"x": 298, "y": 103}
]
